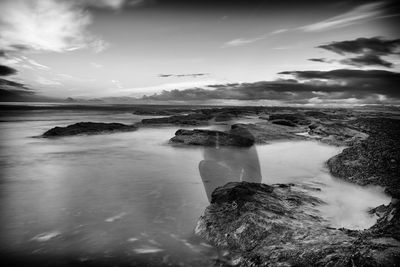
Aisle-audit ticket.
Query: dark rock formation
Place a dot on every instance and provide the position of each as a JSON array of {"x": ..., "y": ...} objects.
[
  {"x": 278, "y": 225},
  {"x": 88, "y": 128},
  {"x": 295, "y": 118},
  {"x": 284, "y": 123},
  {"x": 375, "y": 160},
  {"x": 224, "y": 116},
  {"x": 212, "y": 138},
  {"x": 264, "y": 133},
  {"x": 336, "y": 133},
  {"x": 190, "y": 119}
]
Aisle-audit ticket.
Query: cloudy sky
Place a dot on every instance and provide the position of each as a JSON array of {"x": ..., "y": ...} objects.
[{"x": 269, "y": 52}]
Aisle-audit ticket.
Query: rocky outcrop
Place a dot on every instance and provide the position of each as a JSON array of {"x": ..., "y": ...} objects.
[
  {"x": 284, "y": 123},
  {"x": 278, "y": 225},
  {"x": 375, "y": 160},
  {"x": 88, "y": 128},
  {"x": 295, "y": 118},
  {"x": 266, "y": 132},
  {"x": 190, "y": 119},
  {"x": 212, "y": 138},
  {"x": 336, "y": 133}
]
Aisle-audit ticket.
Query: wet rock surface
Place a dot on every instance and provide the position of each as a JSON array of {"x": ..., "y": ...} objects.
[
  {"x": 262, "y": 225},
  {"x": 190, "y": 119},
  {"x": 278, "y": 225},
  {"x": 212, "y": 138},
  {"x": 336, "y": 133},
  {"x": 88, "y": 128},
  {"x": 266, "y": 132},
  {"x": 375, "y": 161}
]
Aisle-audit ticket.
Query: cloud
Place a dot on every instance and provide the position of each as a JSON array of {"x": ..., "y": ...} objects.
[
  {"x": 96, "y": 65},
  {"x": 193, "y": 75},
  {"x": 48, "y": 82},
  {"x": 355, "y": 81},
  {"x": 37, "y": 64},
  {"x": 245, "y": 41},
  {"x": 343, "y": 74},
  {"x": 322, "y": 85},
  {"x": 5, "y": 70},
  {"x": 358, "y": 14},
  {"x": 376, "y": 45},
  {"x": 367, "y": 60},
  {"x": 324, "y": 60},
  {"x": 369, "y": 50},
  {"x": 242, "y": 41},
  {"x": 46, "y": 25},
  {"x": 113, "y": 4}
]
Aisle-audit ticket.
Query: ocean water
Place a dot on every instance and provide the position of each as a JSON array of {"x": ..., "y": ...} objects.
[{"x": 132, "y": 196}]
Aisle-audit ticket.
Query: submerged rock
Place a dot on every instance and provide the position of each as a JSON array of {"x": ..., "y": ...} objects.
[
  {"x": 212, "y": 138},
  {"x": 88, "y": 128},
  {"x": 262, "y": 225}
]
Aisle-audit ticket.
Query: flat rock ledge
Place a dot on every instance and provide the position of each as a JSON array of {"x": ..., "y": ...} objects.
[
  {"x": 212, "y": 138},
  {"x": 279, "y": 225},
  {"x": 88, "y": 128}
]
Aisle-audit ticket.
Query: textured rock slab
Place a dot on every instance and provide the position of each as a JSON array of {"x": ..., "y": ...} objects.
[
  {"x": 212, "y": 138},
  {"x": 337, "y": 133},
  {"x": 266, "y": 132},
  {"x": 375, "y": 161},
  {"x": 279, "y": 225},
  {"x": 88, "y": 128},
  {"x": 190, "y": 119}
]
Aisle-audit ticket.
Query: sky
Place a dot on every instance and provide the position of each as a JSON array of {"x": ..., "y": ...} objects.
[{"x": 266, "y": 52}]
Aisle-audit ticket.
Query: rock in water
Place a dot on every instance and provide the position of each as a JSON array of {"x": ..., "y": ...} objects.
[
  {"x": 375, "y": 161},
  {"x": 278, "y": 225},
  {"x": 212, "y": 138},
  {"x": 336, "y": 133},
  {"x": 190, "y": 119},
  {"x": 88, "y": 128}
]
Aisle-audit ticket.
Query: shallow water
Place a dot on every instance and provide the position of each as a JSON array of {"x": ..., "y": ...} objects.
[{"x": 132, "y": 195}]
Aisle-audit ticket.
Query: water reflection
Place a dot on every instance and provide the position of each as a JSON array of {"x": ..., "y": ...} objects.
[{"x": 222, "y": 165}]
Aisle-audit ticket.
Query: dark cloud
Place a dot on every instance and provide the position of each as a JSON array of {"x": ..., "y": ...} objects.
[
  {"x": 345, "y": 74},
  {"x": 4, "y": 82},
  {"x": 319, "y": 60},
  {"x": 367, "y": 60},
  {"x": 193, "y": 75},
  {"x": 375, "y": 45},
  {"x": 370, "y": 50},
  {"x": 5, "y": 70},
  {"x": 336, "y": 84}
]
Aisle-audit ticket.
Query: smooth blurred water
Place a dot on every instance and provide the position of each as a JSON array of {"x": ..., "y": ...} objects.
[{"x": 131, "y": 194}]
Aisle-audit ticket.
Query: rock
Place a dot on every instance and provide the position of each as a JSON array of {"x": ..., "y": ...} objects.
[
  {"x": 212, "y": 138},
  {"x": 88, "y": 128},
  {"x": 295, "y": 118},
  {"x": 284, "y": 123},
  {"x": 336, "y": 133},
  {"x": 224, "y": 117},
  {"x": 191, "y": 119},
  {"x": 264, "y": 133},
  {"x": 374, "y": 161},
  {"x": 262, "y": 225}
]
